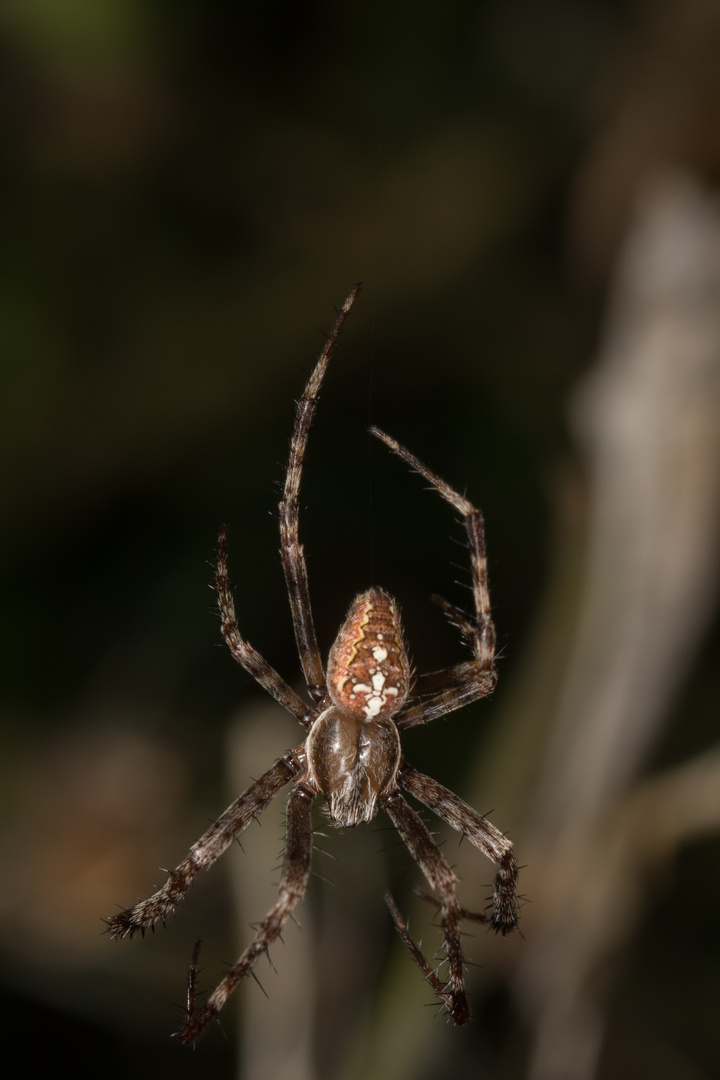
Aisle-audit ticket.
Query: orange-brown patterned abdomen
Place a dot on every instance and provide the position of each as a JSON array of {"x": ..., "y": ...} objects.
[{"x": 368, "y": 669}]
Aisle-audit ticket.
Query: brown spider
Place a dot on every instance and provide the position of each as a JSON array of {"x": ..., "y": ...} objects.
[{"x": 351, "y": 755}]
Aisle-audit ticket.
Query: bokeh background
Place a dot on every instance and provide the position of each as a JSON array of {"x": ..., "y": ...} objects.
[{"x": 527, "y": 190}]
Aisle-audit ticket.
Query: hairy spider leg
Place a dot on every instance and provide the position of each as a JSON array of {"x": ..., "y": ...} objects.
[
  {"x": 253, "y": 662},
  {"x": 443, "y": 880},
  {"x": 207, "y": 849},
  {"x": 296, "y": 871},
  {"x": 291, "y": 550},
  {"x": 462, "y": 683},
  {"x": 480, "y": 832}
]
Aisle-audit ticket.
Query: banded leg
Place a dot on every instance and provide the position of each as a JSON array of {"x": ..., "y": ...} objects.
[
  {"x": 472, "y": 686},
  {"x": 207, "y": 850},
  {"x": 458, "y": 619},
  {"x": 480, "y": 832},
  {"x": 292, "y": 890},
  {"x": 291, "y": 550},
  {"x": 429, "y": 972},
  {"x": 456, "y": 686},
  {"x": 255, "y": 664},
  {"x": 442, "y": 879}
]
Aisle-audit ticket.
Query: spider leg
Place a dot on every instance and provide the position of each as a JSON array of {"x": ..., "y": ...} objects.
[
  {"x": 192, "y": 978},
  {"x": 292, "y": 890},
  {"x": 208, "y": 849},
  {"x": 458, "y": 619},
  {"x": 291, "y": 550},
  {"x": 455, "y": 686},
  {"x": 480, "y": 832},
  {"x": 255, "y": 664},
  {"x": 468, "y": 683},
  {"x": 472, "y": 916},
  {"x": 442, "y": 879},
  {"x": 404, "y": 931}
]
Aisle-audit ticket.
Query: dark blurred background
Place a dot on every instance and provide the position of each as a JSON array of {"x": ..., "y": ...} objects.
[{"x": 526, "y": 190}]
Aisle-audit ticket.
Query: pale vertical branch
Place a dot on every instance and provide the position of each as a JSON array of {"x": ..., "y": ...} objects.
[
  {"x": 649, "y": 420},
  {"x": 275, "y": 1033}
]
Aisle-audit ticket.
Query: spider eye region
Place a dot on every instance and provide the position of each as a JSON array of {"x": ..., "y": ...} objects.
[{"x": 368, "y": 673}]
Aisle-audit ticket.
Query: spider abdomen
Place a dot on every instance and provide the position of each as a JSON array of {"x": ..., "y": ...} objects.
[
  {"x": 352, "y": 761},
  {"x": 368, "y": 672}
]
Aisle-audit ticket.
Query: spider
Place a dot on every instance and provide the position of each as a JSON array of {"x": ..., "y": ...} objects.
[{"x": 351, "y": 756}]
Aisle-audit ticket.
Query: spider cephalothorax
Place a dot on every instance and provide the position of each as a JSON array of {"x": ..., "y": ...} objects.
[{"x": 351, "y": 756}]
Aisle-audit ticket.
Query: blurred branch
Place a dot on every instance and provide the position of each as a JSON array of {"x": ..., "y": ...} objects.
[
  {"x": 275, "y": 1036},
  {"x": 649, "y": 418}
]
